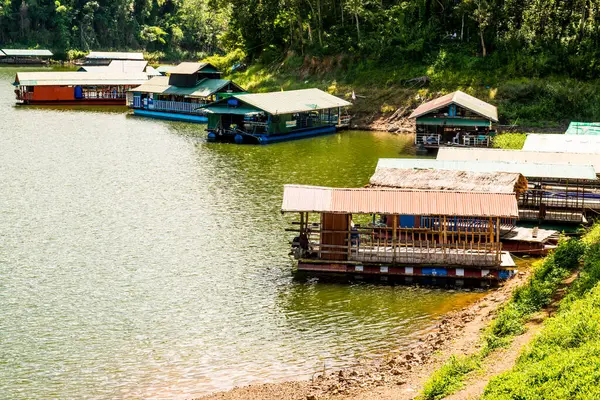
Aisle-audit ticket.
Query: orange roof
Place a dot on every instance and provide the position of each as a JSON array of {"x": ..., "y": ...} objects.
[{"x": 299, "y": 198}]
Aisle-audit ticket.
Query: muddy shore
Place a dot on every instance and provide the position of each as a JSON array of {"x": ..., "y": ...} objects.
[{"x": 397, "y": 376}]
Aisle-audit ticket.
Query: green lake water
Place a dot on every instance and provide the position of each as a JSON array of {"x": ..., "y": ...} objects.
[{"x": 139, "y": 261}]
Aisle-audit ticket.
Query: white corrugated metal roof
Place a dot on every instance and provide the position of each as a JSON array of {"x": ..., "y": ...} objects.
[
  {"x": 114, "y": 55},
  {"x": 520, "y": 156},
  {"x": 292, "y": 101},
  {"x": 27, "y": 53},
  {"x": 300, "y": 198},
  {"x": 560, "y": 143},
  {"x": 79, "y": 78},
  {"x": 537, "y": 170},
  {"x": 462, "y": 99}
]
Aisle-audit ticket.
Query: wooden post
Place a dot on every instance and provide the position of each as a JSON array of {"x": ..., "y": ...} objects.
[
  {"x": 499, "y": 248},
  {"x": 444, "y": 239},
  {"x": 394, "y": 235},
  {"x": 349, "y": 236}
]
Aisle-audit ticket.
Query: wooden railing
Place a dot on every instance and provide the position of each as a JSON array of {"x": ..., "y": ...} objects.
[{"x": 406, "y": 246}]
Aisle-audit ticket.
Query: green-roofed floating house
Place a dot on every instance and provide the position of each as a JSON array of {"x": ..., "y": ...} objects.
[
  {"x": 181, "y": 95},
  {"x": 263, "y": 118},
  {"x": 456, "y": 119},
  {"x": 583, "y": 128}
]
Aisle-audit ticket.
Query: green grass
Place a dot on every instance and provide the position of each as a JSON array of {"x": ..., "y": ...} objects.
[
  {"x": 511, "y": 141},
  {"x": 563, "y": 362},
  {"x": 510, "y": 320},
  {"x": 381, "y": 89},
  {"x": 450, "y": 376}
]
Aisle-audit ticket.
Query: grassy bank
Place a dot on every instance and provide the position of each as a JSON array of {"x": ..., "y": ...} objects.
[
  {"x": 546, "y": 278},
  {"x": 563, "y": 362},
  {"x": 535, "y": 102}
]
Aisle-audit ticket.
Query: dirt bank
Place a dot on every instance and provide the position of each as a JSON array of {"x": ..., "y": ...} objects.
[{"x": 398, "y": 376}]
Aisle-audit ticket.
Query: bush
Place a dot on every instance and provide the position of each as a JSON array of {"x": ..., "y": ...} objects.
[{"x": 512, "y": 141}]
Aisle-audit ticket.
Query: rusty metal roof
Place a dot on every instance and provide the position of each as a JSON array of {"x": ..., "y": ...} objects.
[
  {"x": 462, "y": 99},
  {"x": 300, "y": 198}
]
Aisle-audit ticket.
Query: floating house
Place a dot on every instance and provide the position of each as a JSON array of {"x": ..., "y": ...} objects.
[
  {"x": 91, "y": 88},
  {"x": 562, "y": 193},
  {"x": 25, "y": 56},
  {"x": 456, "y": 119},
  {"x": 105, "y": 57},
  {"x": 557, "y": 143},
  {"x": 181, "y": 95},
  {"x": 583, "y": 128},
  {"x": 263, "y": 118},
  {"x": 409, "y": 233},
  {"x": 425, "y": 174}
]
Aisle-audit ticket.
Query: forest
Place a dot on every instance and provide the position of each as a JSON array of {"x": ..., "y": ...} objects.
[{"x": 534, "y": 37}]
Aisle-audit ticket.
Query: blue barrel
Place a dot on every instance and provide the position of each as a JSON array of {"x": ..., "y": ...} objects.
[
  {"x": 211, "y": 137},
  {"x": 239, "y": 139}
]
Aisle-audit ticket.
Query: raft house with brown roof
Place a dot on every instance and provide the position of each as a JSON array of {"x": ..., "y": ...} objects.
[
  {"x": 456, "y": 119},
  {"x": 390, "y": 232},
  {"x": 181, "y": 95}
]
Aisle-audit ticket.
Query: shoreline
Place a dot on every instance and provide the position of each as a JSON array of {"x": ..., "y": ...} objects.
[{"x": 401, "y": 372}]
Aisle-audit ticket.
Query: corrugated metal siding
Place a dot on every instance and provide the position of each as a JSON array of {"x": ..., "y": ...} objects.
[
  {"x": 481, "y": 164},
  {"x": 462, "y": 99},
  {"x": 562, "y": 143},
  {"x": 389, "y": 201},
  {"x": 520, "y": 156}
]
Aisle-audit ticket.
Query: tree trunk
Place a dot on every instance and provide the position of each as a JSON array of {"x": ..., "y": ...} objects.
[
  {"x": 320, "y": 23},
  {"x": 357, "y": 27},
  {"x": 483, "y": 50}
]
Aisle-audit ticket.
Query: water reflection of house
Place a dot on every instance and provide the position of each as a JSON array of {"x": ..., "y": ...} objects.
[
  {"x": 409, "y": 233},
  {"x": 180, "y": 95},
  {"x": 456, "y": 119}
]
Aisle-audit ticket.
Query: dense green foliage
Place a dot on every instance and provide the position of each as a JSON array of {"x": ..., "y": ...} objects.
[
  {"x": 523, "y": 38},
  {"x": 512, "y": 141},
  {"x": 526, "y": 300},
  {"x": 564, "y": 361}
]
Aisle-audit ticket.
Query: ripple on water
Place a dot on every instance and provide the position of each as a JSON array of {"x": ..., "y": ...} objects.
[{"x": 137, "y": 260}]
